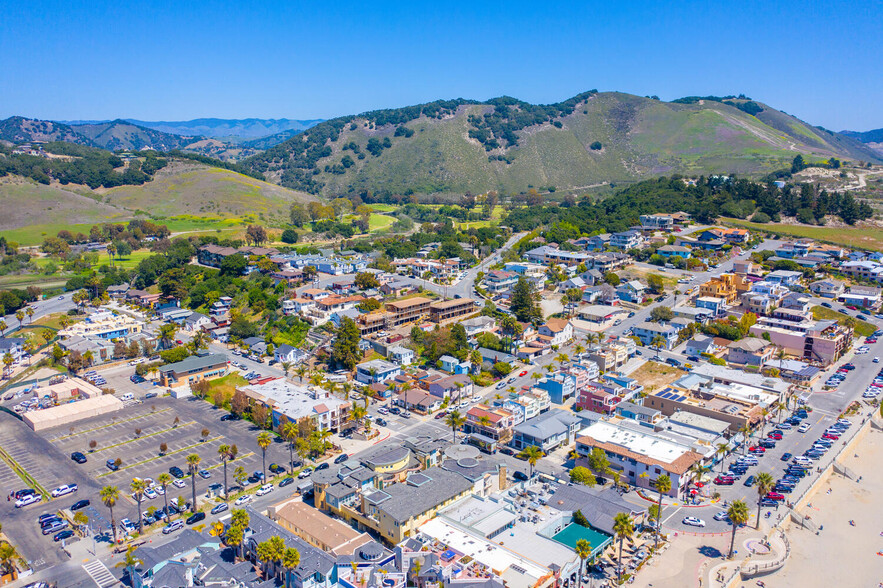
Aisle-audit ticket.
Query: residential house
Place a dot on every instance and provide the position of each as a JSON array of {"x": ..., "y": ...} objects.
[
  {"x": 400, "y": 355},
  {"x": 703, "y": 344},
  {"x": 750, "y": 351},
  {"x": 560, "y": 386},
  {"x": 784, "y": 277},
  {"x": 493, "y": 422},
  {"x": 631, "y": 291},
  {"x": 12, "y": 346},
  {"x": 656, "y": 222},
  {"x": 546, "y": 431},
  {"x": 286, "y": 353},
  {"x": 669, "y": 251},
  {"x": 497, "y": 281},
  {"x": 827, "y": 288},
  {"x": 647, "y": 332},
  {"x": 376, "y": 371},
  {"x": 457, "y": 387},
  {"x": 726, "y": 286},
  {"x": 626, "y": 240},
  {"x": 557, "y": 331}
]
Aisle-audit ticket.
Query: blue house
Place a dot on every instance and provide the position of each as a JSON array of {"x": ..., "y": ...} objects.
[
  {"x": 559, "y": 386},
  {"x": 632, "y": 291},
  {"x": 376, "y": 371},
  {"x": 547, "y": 430},
  {"x": 669, "y": 251}
]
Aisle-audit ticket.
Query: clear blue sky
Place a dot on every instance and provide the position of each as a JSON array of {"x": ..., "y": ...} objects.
[{"x": 177, "y": 60}]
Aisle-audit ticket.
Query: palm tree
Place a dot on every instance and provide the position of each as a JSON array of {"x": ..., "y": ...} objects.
[
  {"x": 623, "y": 528},
  {"x": 109, "y": 496},
  {"x": 20, "y": 317},
  {"x": 30, "y": 312},
  {"x": 301, "y": 370},
  {"x": 264, "y": 440},
  {"x": 657, "y": 342},
  {"x": 271, "y": 551},
  {"x": 764, "y": 482},
  {"x": 290, "y": 560},
  {"x": 164, "y": 480},
  {"x": 289, "y": 433},
  {"x": 3, "y": 326},
  {"x": 663, "y": 486},
  {"x": 138, "y": 486},
  {"x": 130, "y": 562},
  {"x": 763, "y": 414},
  {"x": 746, "y": 432},
  {"x": 532, "y": 454},
  {"x": 584, "y": 551},
  {"x": 738, "y": 513},
  {"x": 455, "y": 420},
  {"x": 193, "y": 466},
  {"x": 234, "y": 536},
  {"x": 485, "y": 422},
  {"x": 721, "y": 451},
  {"x": 286, "y": 367},
  {"x": 224, "y": 455}
]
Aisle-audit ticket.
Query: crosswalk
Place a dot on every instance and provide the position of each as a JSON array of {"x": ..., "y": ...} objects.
[{"x": 100, "y": 574}]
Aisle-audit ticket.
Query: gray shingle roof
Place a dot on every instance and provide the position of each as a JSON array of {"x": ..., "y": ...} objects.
[{"x": 436, "y": 486}]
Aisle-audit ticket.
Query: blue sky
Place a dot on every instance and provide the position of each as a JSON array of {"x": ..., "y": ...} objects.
[{"x": 182, "y": 60}]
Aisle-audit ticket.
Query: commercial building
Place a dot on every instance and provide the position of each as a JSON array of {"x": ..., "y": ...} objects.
[
  {"x": 293, "y": 402},
  {"x": 72, "y": 412},
  {"x": 639, "y": 454},
  {"x": 193, "y": 369},
  {"x": 317, "y": 528},
  {"x": 823, "y": 342}
]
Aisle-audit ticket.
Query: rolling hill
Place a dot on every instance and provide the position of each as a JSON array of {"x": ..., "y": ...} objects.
[
  {"x": 507, "y": 145},
  {"x": 186, "y": 190},
  {"x": 120, "y": 134},
  {"x": 231, "y": 129}
]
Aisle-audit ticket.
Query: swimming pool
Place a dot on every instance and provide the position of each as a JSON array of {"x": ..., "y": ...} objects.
[{"x": 572, "y": 533}]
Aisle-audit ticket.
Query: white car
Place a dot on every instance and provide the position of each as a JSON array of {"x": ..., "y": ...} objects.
[
  {"x": 63, "y": 490},
  {"x": 159, "y": 490},
  {"x": 694, "y": 522},
  {"x": 265, "y": 489},
  {"x": 876, "y": 360},
  {"x": 804, "y": 428},
  {"x": 29, "y": 499},
  {"x": 179, "y": 483},
  {"x": 242, "y": 500},
  {"x": 150, "y": 493}
]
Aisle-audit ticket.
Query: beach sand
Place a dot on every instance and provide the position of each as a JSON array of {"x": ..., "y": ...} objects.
[{"x": 841, "y": 555}]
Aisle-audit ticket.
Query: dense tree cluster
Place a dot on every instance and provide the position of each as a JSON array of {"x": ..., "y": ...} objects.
[
  {"x": 706, "y": 200},
  {"x": 87, "y": 165}
]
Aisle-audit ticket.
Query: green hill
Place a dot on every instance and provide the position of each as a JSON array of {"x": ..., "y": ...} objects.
[
  {"x": 507, "y": 145},
  {"x": 119, "y": 134},
  {"x": 184, "y": 194}
]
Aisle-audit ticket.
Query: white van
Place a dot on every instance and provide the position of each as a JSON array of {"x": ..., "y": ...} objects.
[{"x": 127, "y": 396}]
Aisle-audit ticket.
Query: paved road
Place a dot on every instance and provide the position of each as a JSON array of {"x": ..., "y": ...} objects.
[{"x": 42, "y": 308}]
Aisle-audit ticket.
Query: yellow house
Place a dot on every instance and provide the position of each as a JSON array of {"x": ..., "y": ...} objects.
[{"x": 726, "y": 286}]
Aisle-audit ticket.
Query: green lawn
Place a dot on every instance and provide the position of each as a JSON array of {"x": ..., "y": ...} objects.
[
  {"x": 862, "y": 328},
  {"x": 379, "y": 222},
  {"x": 859, "y": 237},
  {"x": 34, "y": 234}
]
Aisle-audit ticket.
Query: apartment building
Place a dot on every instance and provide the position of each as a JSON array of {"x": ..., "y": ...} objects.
[
  {"x": 294, "y": 402},
  {"x": 445, "y": 310},
  {"x": 727, "y": 286},
  {"x": 409, "y": 310}
]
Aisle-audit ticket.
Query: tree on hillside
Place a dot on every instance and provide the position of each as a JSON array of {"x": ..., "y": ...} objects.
[
  {"x": 233, "y": 265},
  {"x": 256, "y": 234},
  {"x": 366, "y": 281},
  {"x": 298, "y": 215},
  {"x": 655, "y": 283}
]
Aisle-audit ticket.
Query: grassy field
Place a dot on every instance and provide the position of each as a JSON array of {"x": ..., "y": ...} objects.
[
  {"x": 655, "y": 374},
  {"x": 862, "y": 328},
  {"x": 380, "y": 222},
  {"x": 860, "y": 237}
]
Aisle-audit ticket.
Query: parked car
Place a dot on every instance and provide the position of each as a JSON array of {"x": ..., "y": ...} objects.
[
  {"x": 286, "y": 482},
  {"x": 66, "y": 534},
  {"x": 749, "y": 481},
  {"x": 693, "y": 522},
  {"x": 721, "y": 516},
  {"x": 78, "y": 457},
  {"x": 341, "y": 458},
  {"x": 176, "y": 472},
  {"x": 172, "y": 527},
  {"x": 112, "y": 465},
  {"x": 195, "y": 518},
  {"x": 220, "y": 508},
  {"x": 242, "y": 500},
  {"x": 63, "y": 490},
  {"x": 265, "y": 489}
]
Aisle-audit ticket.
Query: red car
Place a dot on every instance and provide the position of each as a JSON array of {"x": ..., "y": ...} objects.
[
  {"x": 441, "y": 415},
  {"x": 724, "y": 481},
  {"x": 851, "y": 307},
  {"x": 775, "y": 496},
  {"x": 870, "y": 340},
  {"x": 522, "y": 374},
  {"x": 830, "y": 437},
  {"x": 757, "y": 449},
  {"x": 775, "y": 436}
]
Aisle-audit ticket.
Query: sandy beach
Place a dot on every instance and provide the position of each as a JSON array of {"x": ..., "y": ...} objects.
[{"x": 842, "y": 554}]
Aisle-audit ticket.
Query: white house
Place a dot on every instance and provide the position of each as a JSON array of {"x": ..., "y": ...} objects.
[
  {"x": 558, "y": 331},
  {"x": 287, "y": 353}
]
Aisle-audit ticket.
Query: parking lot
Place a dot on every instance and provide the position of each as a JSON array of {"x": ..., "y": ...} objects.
[{"x": 46, "y": 457}]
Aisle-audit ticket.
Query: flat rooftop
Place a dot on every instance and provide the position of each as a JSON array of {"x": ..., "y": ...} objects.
[{"x": 636, "y": 441}]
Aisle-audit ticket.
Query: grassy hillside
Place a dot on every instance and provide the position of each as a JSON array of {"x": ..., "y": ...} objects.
[
  {"x": 862, "y": 236},
  {"x": 466, "y": 146},
  {"x": 119, "y": 134},
  {"x": 194, "y": 189},
  {"x": 186, "y": 196}
]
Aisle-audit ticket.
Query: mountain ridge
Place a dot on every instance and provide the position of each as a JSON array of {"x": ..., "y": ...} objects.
[{"x": 504, "y": 144}]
